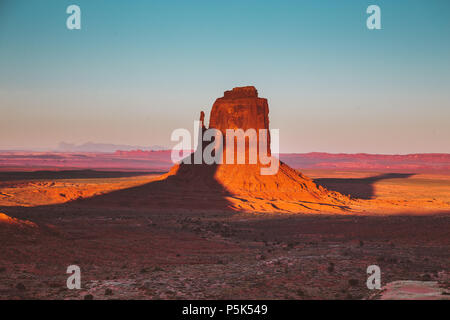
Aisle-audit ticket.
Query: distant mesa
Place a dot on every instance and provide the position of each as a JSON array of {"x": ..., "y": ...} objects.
[{"x": 103, "y": 147}]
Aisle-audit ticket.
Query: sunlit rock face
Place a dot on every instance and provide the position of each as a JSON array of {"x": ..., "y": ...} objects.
[{"x": 240, "y": 108}]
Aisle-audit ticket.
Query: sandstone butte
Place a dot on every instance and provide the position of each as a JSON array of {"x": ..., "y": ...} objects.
[
  {"x": 238, "y": 187},
  {"x": 241, "y": 186}
]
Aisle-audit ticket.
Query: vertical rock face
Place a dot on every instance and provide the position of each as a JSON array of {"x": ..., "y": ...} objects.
[{"x": 240, "y": 108}]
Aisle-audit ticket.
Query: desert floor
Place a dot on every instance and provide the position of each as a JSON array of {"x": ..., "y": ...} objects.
[{"x": 400, "y": 222}]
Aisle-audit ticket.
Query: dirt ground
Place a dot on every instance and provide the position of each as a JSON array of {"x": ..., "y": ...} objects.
[{"x": 400, "y": 222}]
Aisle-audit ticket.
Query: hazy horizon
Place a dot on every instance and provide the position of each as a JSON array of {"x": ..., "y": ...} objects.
[
  {"x": 58, "y": 149},
  {"x": 137, "y": 71}
]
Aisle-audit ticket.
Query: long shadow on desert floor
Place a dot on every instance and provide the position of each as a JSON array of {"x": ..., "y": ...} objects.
[
  {"x": 193, "y": 189},
  {"x": 361, "y": 188}
]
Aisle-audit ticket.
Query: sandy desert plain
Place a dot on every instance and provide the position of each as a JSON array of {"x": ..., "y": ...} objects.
[{"x": 135, "y": 238}]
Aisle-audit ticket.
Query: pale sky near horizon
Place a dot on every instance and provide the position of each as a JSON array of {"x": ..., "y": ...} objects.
[{"x": 137, "y": 70}]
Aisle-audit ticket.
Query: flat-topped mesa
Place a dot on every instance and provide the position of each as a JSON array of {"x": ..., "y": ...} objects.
[
  {"x": 240, "y": 108},
  {"x": 241, "y": 92}
]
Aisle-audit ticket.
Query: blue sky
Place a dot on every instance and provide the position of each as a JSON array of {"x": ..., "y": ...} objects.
[{"x": 139, "y": 69}]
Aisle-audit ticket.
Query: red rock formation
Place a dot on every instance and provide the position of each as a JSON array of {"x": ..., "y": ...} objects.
[
  {"x": 239, "y": 187},
  {"x": 240, "y": 108},
  {"x": 243, "y": 184}
]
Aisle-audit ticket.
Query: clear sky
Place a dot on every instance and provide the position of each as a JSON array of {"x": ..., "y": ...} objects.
[{"x": 139, "y": 69}]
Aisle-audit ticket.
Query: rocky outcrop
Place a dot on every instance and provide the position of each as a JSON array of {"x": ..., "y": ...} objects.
[
  {"x": 240, "y": 108},
  {"x": 241, "y": 92},
  {"x": 243, "y": 185},
  {"x": 9, "y": 221}
]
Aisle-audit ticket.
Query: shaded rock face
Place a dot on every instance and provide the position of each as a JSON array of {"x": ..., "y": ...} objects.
[{"x": 240, "y": 108}]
